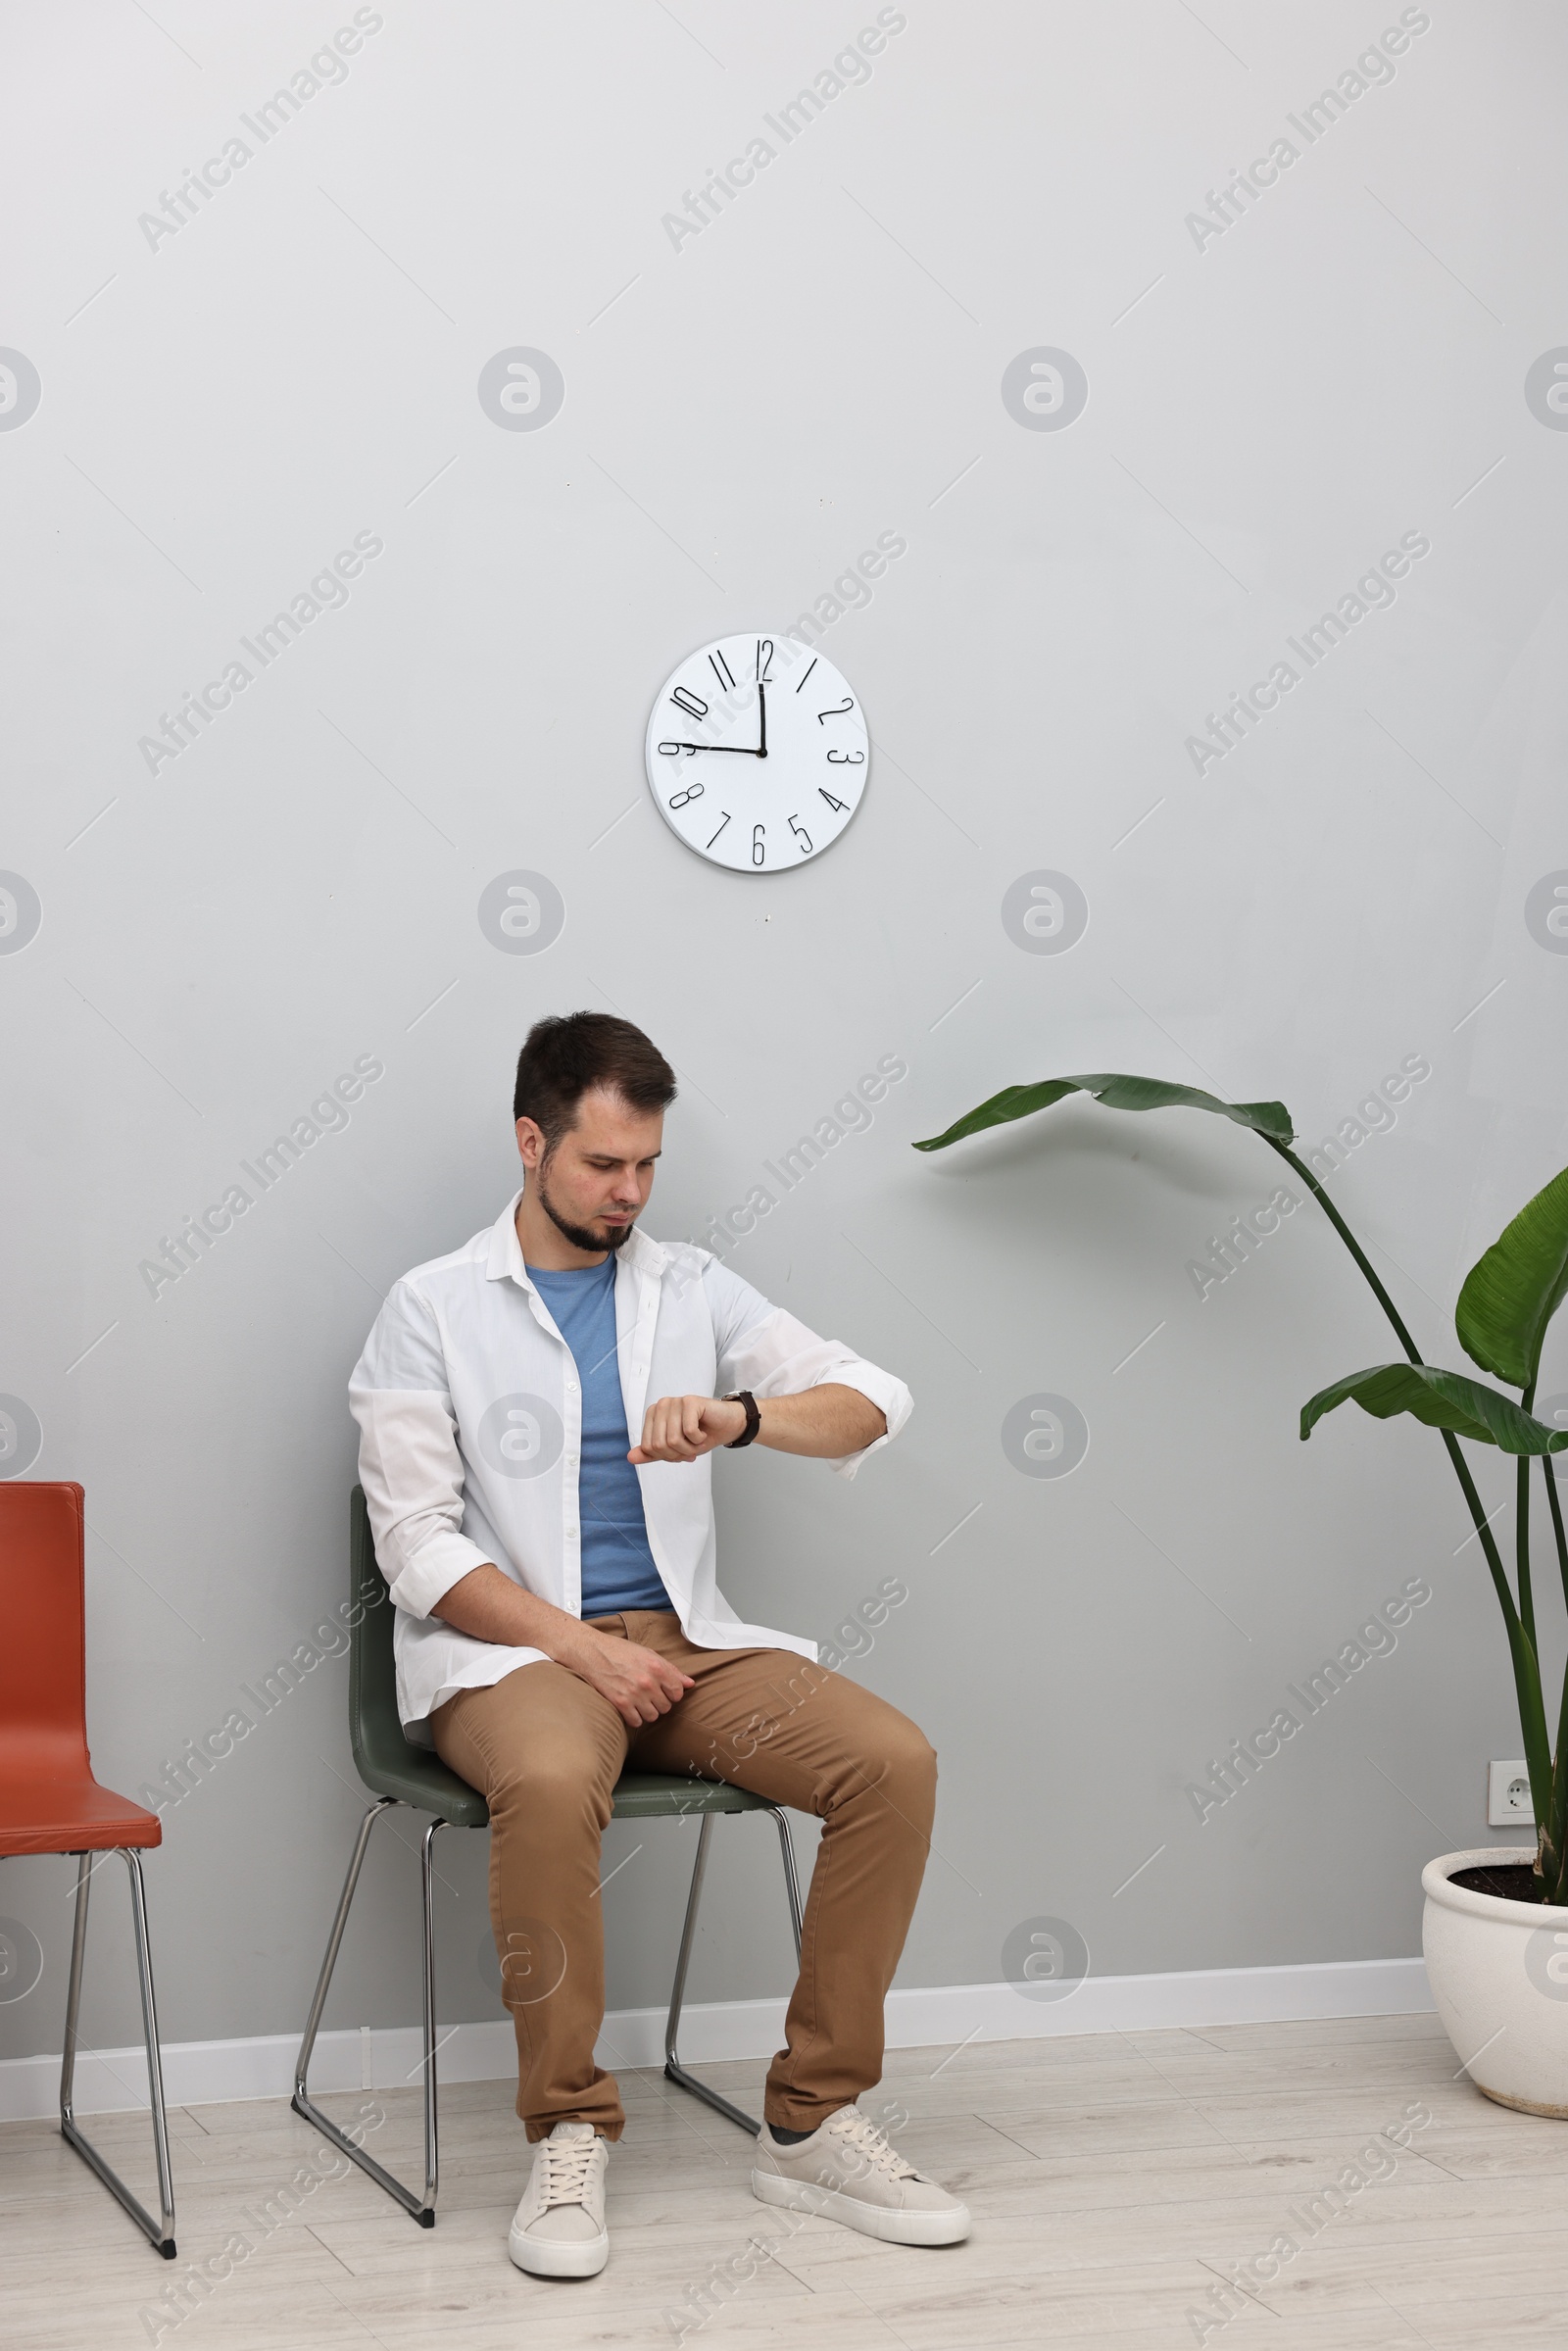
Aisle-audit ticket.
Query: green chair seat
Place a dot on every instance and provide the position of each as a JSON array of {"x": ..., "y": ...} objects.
[{"x": 652, "y": 1795}]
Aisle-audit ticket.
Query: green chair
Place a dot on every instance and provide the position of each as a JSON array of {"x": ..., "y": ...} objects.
[{"x": 416, "y": 1776}]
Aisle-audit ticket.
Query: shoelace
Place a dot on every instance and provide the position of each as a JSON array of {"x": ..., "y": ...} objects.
[
  {"x": 566, "y": 2162},
  {"x": 870, "y": 2141}
]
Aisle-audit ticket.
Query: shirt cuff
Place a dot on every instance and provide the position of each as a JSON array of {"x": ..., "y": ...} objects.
[
  {"x": 890, "y": 1395},
  {"x": 429, "y": 1572}
]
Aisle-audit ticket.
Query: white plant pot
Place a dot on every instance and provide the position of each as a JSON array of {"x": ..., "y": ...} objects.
[{"x": 1498, "y": 1973}]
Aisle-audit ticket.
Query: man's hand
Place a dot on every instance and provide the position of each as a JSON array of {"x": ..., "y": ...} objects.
[
  {"x": 638, "y": 1683},
  {"x": 489, "y": 1606},
  {"x": 682, "y": 1428}
]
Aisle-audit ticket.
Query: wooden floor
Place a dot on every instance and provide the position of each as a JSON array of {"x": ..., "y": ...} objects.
[{"x": 1117, "y": 2182}]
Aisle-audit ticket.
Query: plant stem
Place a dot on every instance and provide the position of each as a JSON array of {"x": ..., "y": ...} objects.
[
  {"x": 1554, "y": 1505},
  {"x": 1551, "y": 1860},
  {"x": 1521, "y": 1645},
  {"x": 1555, "y": 1836},
  {"x": 1350, "y": 1243},
  {"x": 1527, "y": 1598}
]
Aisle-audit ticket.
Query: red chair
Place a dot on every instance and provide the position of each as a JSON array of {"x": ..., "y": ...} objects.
[{"x": 49, "y": 1801}]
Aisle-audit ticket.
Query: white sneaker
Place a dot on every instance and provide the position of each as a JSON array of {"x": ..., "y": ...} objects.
[
  {"x": 559, "y": 2229},
  {"x": 846, "y": 2171}
]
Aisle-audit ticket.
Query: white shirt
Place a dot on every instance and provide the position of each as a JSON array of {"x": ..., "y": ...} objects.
[{"x": 471, "y": 1430}]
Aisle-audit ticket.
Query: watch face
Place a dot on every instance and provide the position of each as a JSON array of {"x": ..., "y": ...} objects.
[{"x": 757, "y": 754}]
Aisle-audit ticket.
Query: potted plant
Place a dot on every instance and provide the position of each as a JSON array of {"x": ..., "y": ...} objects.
[{"x": 1496, "y": 1927}]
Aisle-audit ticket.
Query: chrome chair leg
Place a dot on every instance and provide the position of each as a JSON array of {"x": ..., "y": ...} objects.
[
  {"x": 160, "y": 2233},
  {"x": 674, "y": 2068},
  {"x": 427, "y": 2065},
  {"x": 792, "y": 1886},
  {"x": 423, "y": 2213}
]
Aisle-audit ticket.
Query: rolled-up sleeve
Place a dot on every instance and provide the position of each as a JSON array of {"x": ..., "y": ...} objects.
[
  {"x": 409, "y": 1465},
  {"x": 764, "y": 1348}
]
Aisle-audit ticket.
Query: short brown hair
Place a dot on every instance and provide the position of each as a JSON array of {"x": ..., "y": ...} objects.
[{"x": 566, "y": 1055}]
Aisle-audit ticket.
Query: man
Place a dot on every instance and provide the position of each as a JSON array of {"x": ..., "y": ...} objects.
[{"x": 558, "y": 1620}]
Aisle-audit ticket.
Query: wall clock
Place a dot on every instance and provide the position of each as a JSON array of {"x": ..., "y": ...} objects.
[{"x": 757, "y": 753}]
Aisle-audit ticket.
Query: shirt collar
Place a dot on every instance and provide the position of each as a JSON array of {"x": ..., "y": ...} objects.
[{"x": 504, "y": 1257}]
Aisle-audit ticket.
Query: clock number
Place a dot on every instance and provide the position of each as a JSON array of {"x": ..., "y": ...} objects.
[
  {"x": 838, "y": 710},
  {"x": 685, "y": 699},
  {"x": 803, "y": 835},
  {"x": 808, "y": 674},
  {"x": 764, "y": 661},
  {"x": 846, "y": 758},
  {"x": 720, "y": 668},
  {"x": 691, "y": 792},
  {"x": 672, "y": 750},
  {"x": 759, "y": 853},
  {"x": 721, "y": 829},
  {"x": 839, "y": 804}
]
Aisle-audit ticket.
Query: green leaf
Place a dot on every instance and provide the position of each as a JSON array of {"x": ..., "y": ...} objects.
[
  {"x": 1117, "y": 1094},
  {"x": 1511, "y": 1293},
  {"x": 1442, "y": 1400}
]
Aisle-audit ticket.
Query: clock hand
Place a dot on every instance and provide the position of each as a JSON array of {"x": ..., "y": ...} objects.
[
  {"x": 762, "y": 704},
  {"x": 744, "y": 750}
]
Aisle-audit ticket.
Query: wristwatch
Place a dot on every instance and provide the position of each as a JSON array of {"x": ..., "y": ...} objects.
[{"x": 753, "y": 1418}]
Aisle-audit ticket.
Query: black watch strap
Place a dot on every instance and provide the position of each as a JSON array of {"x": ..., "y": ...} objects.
[{"x": 753, "y": 1418}]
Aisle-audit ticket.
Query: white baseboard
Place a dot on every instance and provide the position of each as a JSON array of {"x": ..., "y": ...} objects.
[{"x": 201, "y": 2073}]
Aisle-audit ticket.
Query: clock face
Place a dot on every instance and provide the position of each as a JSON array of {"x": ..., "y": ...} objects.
[{"x": 757, "y": 754}]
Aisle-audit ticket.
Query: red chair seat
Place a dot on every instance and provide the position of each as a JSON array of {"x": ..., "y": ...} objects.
[{"x": 70, "y": 1815}]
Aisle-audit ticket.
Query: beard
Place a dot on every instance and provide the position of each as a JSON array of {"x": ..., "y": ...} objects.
[{"x": 583, "y": 1236}]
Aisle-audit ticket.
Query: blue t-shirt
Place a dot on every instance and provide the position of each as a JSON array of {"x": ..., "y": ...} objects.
[{"x": 617, "y": 1566}]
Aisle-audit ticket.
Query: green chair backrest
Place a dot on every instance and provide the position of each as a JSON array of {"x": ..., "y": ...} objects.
[{"x": 386, "y": 1762}]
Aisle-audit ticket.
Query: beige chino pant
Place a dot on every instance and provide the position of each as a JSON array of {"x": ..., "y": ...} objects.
[{"x": 545, "y": 1751}]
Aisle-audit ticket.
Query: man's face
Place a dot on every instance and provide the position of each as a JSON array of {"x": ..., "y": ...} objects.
[{"x": 593, "y": 1184}]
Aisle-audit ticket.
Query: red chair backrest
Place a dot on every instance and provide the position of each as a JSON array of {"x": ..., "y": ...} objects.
[{"x": 43, "y": 1669}]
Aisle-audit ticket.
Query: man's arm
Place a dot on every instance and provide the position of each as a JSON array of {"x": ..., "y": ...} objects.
[
  {"x": 815, "y": 1394},
  {"x": 488, "y": 1607},
  {"x": 827, "y": 1423}
]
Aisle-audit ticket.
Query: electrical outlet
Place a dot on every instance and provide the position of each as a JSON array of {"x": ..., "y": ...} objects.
[{"x": 1508, "y": 1801}]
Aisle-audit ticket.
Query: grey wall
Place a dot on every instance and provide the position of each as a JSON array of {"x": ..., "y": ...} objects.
[{"x": 1270, "y": 407}]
